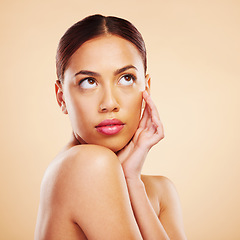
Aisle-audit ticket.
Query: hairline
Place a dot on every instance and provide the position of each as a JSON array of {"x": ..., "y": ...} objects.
[{"x": 105, "y": 33}]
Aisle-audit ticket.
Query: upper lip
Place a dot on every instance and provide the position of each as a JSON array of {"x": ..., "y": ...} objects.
[{"x": 109, "y": 122}]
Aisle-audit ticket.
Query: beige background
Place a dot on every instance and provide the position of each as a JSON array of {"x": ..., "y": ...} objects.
[{"x": 193, "y": 54}]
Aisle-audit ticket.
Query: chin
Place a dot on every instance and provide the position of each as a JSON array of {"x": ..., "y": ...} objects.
[
  {"x": 115, "y": 145},
  {"x": 115, "y": 148}
]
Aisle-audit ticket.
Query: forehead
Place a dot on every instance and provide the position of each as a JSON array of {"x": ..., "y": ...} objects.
[{"x": 106, "y": 52}]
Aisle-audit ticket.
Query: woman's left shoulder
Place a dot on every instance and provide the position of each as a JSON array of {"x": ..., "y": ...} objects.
[
  {"x": 163, "y": 188},
  {"x": 158, "y": 183},
  {"x": 169, "y": 211}
]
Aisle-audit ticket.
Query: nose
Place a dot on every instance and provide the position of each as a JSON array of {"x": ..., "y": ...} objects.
[{"x": 109, "y": 101}]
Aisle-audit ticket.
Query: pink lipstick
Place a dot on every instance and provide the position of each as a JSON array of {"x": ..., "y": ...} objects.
[{"x": 110, "y": 126}]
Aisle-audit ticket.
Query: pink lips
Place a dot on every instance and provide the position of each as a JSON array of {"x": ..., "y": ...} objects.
[{"x": 110, "y": 126}]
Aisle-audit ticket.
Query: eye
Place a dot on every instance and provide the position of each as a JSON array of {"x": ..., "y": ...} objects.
[
  {"x": 88, "y": 83},
  {"x": 127, "y": 80}
]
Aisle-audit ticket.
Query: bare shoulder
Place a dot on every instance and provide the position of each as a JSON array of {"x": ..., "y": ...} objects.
[
  {"x": 170, "y": 213},
  {"x": 68, "y": 170},
  {"x": 77, "y": 156},
  {"x": 73, "y": 163},
  {"x": 162, "y": 187},
  {"x": 158, "y": 183},
  {"x": 69, "y": 183},
  {"x": 156, "y": 180}
]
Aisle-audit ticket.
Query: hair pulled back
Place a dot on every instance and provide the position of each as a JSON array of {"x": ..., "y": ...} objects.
[{"x": 91, "y": 27}]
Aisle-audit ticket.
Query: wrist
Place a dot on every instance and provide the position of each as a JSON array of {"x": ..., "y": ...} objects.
[
  {"x": 140, "y": 152},
  {"x": 132, "y": 166},
  {"x": 142, "y": 148},
  {"x": 134, "y": 181}
]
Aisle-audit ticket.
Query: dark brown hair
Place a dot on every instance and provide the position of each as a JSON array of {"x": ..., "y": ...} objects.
[{"x": 91, "y": 27}]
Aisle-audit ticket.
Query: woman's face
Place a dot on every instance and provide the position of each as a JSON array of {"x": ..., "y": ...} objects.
[{"x": 102, "y": 91}]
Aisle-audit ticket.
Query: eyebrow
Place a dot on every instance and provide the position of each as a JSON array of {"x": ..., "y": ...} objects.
[
  {"x": 86, "y": 72},
  {"x": 118, "y": 71},
  {"x": 95, "y": 74}
]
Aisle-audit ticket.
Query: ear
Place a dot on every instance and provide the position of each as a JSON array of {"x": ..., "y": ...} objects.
[
  {"x": 147, "y": 83},
  {"x": 60, "y": 96}
]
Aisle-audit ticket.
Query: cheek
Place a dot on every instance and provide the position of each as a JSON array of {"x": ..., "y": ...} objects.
[
  {"x": 80, "y": 111},
  {"x": 136, "y": 105},
  {"x": 135, "y": 99},
  {"x": 133, "y": 104}
]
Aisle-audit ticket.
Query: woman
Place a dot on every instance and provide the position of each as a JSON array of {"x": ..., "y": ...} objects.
[{"x": 94, "y": 188}]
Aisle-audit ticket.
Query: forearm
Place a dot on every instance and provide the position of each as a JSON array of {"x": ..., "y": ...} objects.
[
  {"x": 132, "y": 157},
  {"x": 148, "y": 222}
]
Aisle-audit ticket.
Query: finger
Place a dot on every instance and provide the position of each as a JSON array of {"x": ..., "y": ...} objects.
[
  {"x": 150, "y": 103},
  {"x": 157, "y": 136},
  {"x": 156, "y": 121},
  {"x": 149, "y": 123},
  {"x": 155, "y": 127},
  {"x": 152, "y": 112},
  {"x": 159, "y": 126},
  {"x": 144, "y": 118},
  {"x": 136, "y": 135}
]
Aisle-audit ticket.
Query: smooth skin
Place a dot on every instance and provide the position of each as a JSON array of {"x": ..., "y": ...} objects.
[{"x": 94, "y": 188}]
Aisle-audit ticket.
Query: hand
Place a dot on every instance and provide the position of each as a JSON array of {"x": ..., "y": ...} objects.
[{"x": 149, "y": 133}]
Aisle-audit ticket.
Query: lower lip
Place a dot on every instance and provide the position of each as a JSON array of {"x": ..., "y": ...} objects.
[{"x": 110, "y": 129}]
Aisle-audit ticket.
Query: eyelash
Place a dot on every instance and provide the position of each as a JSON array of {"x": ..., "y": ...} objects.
[
  {"x": 129, "y": 75},
  {"x": 86, "y": 79},
  {"x": 125, "y": 75}
]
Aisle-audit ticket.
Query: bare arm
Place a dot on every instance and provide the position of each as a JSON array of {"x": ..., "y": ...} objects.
[
  {"x": 150, "y": 226},
  {"x": 171, "y": 212},
  {"x": 149, "y": 133},
  {"x": 105, "y": 211},
  {"x": 86, "y": 188}
]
